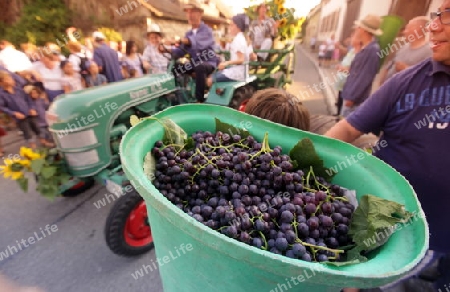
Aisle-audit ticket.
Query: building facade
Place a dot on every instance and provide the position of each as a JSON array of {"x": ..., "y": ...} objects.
[
  {"x": 133, "y": 17},
  {"x": 338, "y": 16},
  {"x": 312, "y": 27}
]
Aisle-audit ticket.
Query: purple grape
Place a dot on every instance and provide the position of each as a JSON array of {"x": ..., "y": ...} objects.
[
  {"x": 310, "y": 208},
  {"x": 281, "y": 244},
  {"x": 286, "y": 217}
]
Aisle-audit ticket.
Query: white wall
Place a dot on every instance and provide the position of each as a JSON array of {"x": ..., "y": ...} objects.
[
  {"x": 435, "y": 4},
  {"x": 328, "y": 9},
  {"x": 376, "y": 7}
]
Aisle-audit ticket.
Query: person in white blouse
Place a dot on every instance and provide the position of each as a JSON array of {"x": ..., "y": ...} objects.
[
  {"x": 48, "y": 71},
  {"x": 12, "y": 59},
  {"x": 78, "y": 59},
  {"x": 235, "y": 69}
]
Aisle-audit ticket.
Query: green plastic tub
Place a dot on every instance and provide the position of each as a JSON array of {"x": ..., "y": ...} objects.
[{"x": 211, "y": 261}]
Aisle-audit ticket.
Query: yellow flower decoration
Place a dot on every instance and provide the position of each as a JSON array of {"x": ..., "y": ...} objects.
[
  {"x": 11, "y": 170},
  {"x": 281, "y": 10},
  {"x": 279, "y": 2},
  {"x": 29, "y": 154},
  {"x": 24, "y": 163},
  {"x": 283, "y": 22}
]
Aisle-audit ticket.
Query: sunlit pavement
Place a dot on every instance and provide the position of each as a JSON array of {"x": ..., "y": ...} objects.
[{"x": 307, "y": 84}]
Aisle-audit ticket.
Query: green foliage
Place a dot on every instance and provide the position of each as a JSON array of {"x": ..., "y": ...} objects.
[
  {"x": 305, "y": 156},
  {"x": 231, "y": 130},
  {"x": 50, "y": 173},
  {"x": 41, "y": 21},
  {"x": 374, "y": 216},
  {"x": 23, "y": 183},
  {"x": 111, "y": 34}
]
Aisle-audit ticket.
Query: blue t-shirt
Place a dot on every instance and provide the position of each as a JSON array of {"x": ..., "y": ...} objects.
[
  {"x": 417, "y": 137},
  {"x": 201, "y": 48},
  {"x": 108, "y": 59},
  {"x": 363, "y": 69}
]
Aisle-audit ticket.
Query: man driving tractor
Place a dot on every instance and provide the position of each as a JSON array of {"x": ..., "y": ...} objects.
[{"x": 199, "y": 44}]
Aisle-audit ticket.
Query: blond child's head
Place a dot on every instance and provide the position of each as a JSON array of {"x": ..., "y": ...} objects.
[{"x": 279, "y": 106}]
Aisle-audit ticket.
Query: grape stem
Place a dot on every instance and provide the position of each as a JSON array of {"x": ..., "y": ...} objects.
[
  {"x": 336, "y": 251},
  {"x": 264, "y": 238},
  {"x": 265, "y": 144}
]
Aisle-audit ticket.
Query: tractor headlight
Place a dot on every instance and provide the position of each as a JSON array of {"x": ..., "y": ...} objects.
[
  {"x": 77, "y": 147},
  {"x": 82, "y": 158},
  {"x": 68, "y": 140}
]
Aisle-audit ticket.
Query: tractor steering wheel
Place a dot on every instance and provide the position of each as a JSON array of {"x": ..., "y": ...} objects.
[{"x": 166, "y": 50}]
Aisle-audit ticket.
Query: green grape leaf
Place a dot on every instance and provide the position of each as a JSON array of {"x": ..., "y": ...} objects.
[
  {"x": 23, "y": 183},
  {"x": 305, "y": 156},
  {"x": 189, "y": 144},
  {"x": 173, "y": 134},
  {"x": 373, "y": 222},
  {"x": 134, "y": 120},
  {"x": 64, "y": 178},
  {"x": 36, "y": 165},
  {"x": 231, "y": 129}
]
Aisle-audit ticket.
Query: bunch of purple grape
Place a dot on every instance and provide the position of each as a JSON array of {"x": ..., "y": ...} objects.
[{"x": 249, "y": 192}]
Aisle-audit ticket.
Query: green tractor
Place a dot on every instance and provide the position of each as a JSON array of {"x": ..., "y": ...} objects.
[{"x": 87, "y": 127}]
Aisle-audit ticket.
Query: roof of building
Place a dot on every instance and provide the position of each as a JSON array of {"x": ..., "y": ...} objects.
[{"x": 173, "y": 9}]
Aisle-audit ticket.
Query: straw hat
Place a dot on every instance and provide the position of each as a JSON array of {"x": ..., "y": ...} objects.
[
  {"x": 98, "y": 35},
  {"x": 371, "y": 23},
  {"x": 193, "y": 4},
  {"x": 154, "y": 28}
]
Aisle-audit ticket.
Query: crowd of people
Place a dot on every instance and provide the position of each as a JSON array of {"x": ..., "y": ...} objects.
[{"x": 99, "y": 62}]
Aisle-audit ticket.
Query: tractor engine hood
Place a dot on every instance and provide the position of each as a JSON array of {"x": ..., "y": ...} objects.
[
  {"x": 89, "y": 105},
  {"x": 83, "y": 123}
]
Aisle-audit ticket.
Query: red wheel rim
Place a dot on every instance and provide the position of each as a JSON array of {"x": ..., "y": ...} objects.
[
  {"x": 137, "y": 232},
  {"x": 242, "y": 106},
  {"x": 78, "y": 185}
]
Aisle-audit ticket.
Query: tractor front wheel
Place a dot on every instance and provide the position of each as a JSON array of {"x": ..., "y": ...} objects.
[
  {"x": 127, "y": 231},
  {"x": 241, "y": 96}
]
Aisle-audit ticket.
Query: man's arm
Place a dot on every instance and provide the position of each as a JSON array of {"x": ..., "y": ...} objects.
[
  {"x": 343, "y": 131},
  {"x": 372, "y": 115}
]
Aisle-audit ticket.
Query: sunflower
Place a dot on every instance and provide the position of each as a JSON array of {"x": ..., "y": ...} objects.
[
  {"x": 281, "y": 10},
  {"x": 279, "y": 2},
  {"x": 29, "y": 154},
  {"x": 283, "y": 22},
  {"x": 12, "y": 169}
]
